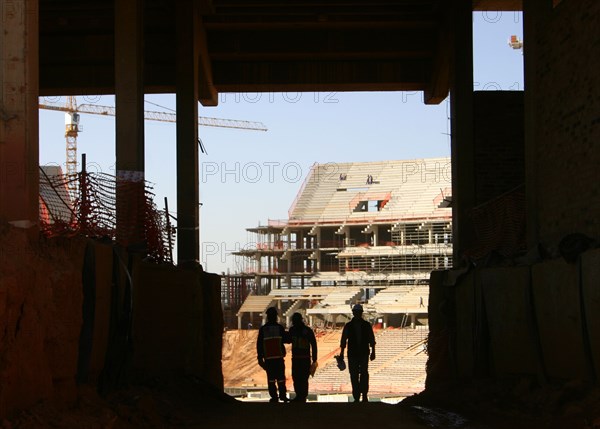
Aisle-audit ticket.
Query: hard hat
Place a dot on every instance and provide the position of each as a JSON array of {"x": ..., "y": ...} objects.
[{"x": 357, "y": 307}]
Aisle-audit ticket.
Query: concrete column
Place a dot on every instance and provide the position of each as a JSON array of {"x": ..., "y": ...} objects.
[
  {"x": 413, "y": 321},
  {"x": 375, "y": 235},
  {"x": 386, "y": 319},
  {"x": 129, "y": 120},
  {"x": 188, "y": 215},
  {"x": 240, "y": 322},
  {"x": 19, "y": 129},
  {"x": 462, "y": 145},
  {"x": 318, "y": 251},
  {"x": 289, "y": 253},
  {"x": 346, "y": 236},
  {"x": 534, "y": 12}
]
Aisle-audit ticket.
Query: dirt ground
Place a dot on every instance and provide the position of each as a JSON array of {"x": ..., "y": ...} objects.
[
  {"x": 187, "y": 402},
  {"x": 240, "y": 368},
  {"x": 186, "y": 407}
]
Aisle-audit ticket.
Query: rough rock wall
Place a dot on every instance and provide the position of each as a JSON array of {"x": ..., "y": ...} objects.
[
  {"x": 57, "y": 320},
  {"x": 177, "y": 322},
  {"x": 40, "y": 318},
  {"x": 568, "y": 124},
  {"x": 539, "y": 321}
]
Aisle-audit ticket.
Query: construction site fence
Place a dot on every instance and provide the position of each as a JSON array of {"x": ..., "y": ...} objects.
[{"x": 91, "y": 211}]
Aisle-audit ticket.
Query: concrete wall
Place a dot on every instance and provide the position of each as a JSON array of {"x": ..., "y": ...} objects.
[
  {"x": 568, "y": 121},
  {"x": 590, "y": 291},
  {"x": 499, "y": 143},
  {"x": 178, "y": 322},
  {"x": 513, "y": 340},
  {"x": 63, "y": 320},
  {"x": 540, "y": 321},
  {"x": 557, "y": 303},
  {"x": 40, "y": 318}
]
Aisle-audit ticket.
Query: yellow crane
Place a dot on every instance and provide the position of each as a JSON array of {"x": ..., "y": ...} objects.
[{"x": 72, "y": 126}]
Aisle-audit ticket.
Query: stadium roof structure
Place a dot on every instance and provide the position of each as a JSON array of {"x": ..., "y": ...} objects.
[{"x": 373, "y": 192}]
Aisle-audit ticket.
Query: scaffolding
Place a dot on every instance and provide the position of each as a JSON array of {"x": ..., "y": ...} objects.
[
  {"x": 416, "y": 247},
  {"x": 373, "y": 223}
]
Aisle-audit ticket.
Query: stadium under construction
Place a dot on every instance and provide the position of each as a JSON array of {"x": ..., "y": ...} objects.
[{"x": 368, "y": 232}]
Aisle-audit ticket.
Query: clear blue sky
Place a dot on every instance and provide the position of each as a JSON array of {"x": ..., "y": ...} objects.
[{"x": 248, "y": 177}]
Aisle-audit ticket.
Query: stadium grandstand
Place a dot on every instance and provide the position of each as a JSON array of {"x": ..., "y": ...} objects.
[{"x": 368, "y": 232}]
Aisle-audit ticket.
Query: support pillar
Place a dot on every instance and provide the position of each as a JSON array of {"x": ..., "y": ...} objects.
[
  {"x": 288, "y": 253},
  {"x": 129, "y": 120},
  {"x": 188, "y": 214},
  {"x": 534, "y": 12},
  {"x": 462, "y": 145},
  {"x": 19, "y": 129},
  {"x": 317, "y": 246}
]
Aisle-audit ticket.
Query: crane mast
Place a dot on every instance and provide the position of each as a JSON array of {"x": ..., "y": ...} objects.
[{"x": 72, "y": 129}]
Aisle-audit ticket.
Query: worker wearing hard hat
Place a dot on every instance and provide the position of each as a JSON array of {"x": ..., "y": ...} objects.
[
  {"x": 304, "y": 356},
  {"x": 271, "y": 351},
  {"x": 358, "y": 335}
]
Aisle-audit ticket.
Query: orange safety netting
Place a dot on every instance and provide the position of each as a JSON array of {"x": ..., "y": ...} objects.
[{"x": 105, "y": 207}]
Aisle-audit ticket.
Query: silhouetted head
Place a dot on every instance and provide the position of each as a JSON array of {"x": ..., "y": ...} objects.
[
  {"x": 296, "y": 319},
  {"x": 357, "y": 310},
  {"x": 272, "y": 314}
]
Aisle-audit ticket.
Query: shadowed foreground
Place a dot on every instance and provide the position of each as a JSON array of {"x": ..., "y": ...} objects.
[{"x": 189, "y": 403}]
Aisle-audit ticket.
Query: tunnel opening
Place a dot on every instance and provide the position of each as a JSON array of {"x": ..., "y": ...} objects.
[{"x": 473, "y": 318}]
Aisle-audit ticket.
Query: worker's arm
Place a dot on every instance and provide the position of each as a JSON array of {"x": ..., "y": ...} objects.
[
  {"x": 372, "y": 342},
  {"x": 343, "y": 341},
  {"x": 313, "y": 345},
  {"x": 260, "y": 353}
]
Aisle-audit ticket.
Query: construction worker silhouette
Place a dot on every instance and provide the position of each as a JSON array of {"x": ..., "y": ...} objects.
[
  {"x": 271, "y": 351},
  {"x": 304, "y": 354},
  {"x": 358, "y": 335}
]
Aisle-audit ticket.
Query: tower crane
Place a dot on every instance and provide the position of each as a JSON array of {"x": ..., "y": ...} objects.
[{"x": 72, "y": 126}]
